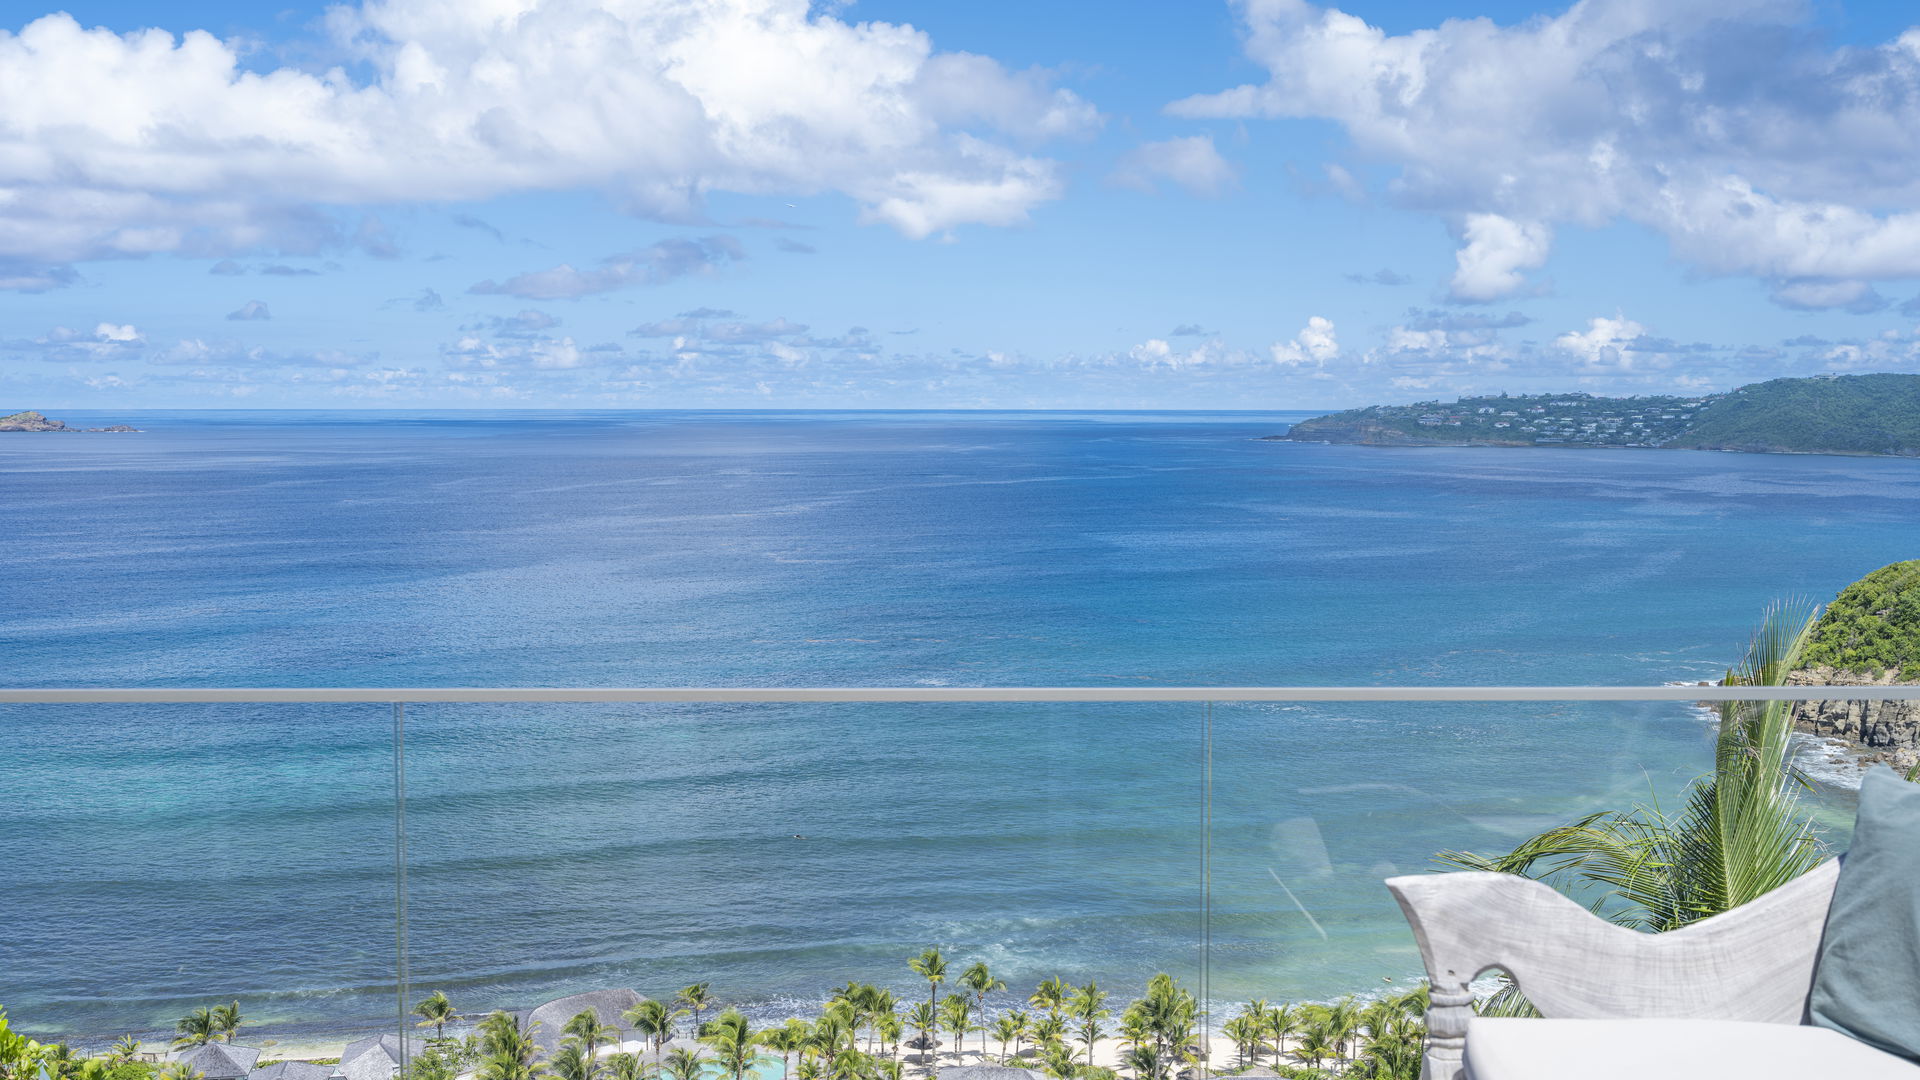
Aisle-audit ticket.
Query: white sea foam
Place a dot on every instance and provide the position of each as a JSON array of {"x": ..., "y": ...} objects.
[
  {"x": 1831, "y": 763},
  {"x": 1828, "y": 762}
]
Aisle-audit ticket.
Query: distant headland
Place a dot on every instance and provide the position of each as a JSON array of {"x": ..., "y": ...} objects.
[
  {"x": 33, "y": 421},
  {"x": 1825, "y": 414}
]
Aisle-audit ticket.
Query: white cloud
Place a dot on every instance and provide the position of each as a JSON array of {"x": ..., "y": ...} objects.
[
  {"x": 518, "y": 353},
  {"x": 1314, "y": 345},
  {"x": 1605, "y": 343},
  {"x": 651, "y": 265},
  {"x": 1890, "y": 350},
  {"x": 1723, "y": 125},
  {"x": 106, "y": 341},
  {"x": 1191, "y": 162},
  {"x": 144, "y": 142},
  {"x": 221, "y": 359},
  {"x": 1488, "y": 266},
  {"x": 1814, "y": 295}
]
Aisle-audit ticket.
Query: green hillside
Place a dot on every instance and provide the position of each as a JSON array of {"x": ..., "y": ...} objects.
[
  {"x": 1873, "y": 626},
  {"x": 1826, "y": 414},
  {"x": 1851, "y": 414}
]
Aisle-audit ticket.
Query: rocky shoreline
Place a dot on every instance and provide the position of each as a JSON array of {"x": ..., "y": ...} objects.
[
  {"x": 1878, "y": 731},
  {"x": 33, "y": 421}
]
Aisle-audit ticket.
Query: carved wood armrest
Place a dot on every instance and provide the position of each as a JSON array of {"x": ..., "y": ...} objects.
[{"x": 1752, "y": 963}]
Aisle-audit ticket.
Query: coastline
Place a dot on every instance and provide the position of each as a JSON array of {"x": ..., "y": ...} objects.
[
  {"x": 1482, "y": 445},
  {"x": 1108, "y": 1052}
]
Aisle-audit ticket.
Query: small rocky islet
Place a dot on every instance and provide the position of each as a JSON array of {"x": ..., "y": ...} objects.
[{"x": 33, "y": 421}]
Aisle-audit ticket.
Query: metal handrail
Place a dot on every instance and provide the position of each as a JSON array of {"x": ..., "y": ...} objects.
[{"x": 1064, "y": 694}]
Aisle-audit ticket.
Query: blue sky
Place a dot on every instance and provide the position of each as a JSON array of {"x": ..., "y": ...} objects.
[{"x": 756, "y": 203}]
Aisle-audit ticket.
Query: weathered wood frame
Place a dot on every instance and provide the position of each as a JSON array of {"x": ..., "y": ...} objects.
[{"x": 1752, "y": 963}]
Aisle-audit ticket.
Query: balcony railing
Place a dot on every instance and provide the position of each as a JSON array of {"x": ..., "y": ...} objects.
[{"x": 313, "y": 852}]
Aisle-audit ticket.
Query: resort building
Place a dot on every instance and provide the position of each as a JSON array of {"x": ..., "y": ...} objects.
[{"x": 217, "y": 1061}]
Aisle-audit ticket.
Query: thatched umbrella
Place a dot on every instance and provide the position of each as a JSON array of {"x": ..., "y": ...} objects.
[{"x": 608, "y": 1005}]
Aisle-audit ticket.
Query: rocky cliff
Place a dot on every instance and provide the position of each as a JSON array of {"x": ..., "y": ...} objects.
[
  {"x": 1887, "y": 730},
  {"x": 1868, "y": 636}
]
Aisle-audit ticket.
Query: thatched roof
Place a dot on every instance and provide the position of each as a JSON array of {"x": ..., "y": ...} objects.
[
  {"x": 218, "y": 1061},
  {"x": 291, "y": 1070},
  {"x": 607, "y": 1004},
  {"x": 376, "y": 1057}
]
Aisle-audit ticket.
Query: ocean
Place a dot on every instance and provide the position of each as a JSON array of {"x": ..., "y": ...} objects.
[{"x": 155, "y": 858}]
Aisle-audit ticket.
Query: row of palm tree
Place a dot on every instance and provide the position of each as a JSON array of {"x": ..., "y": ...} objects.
[
  {"x": 860, "y": 1034},
  {"x": 217, "y": 1023},
  {"x": 1384, "y": 1036}
]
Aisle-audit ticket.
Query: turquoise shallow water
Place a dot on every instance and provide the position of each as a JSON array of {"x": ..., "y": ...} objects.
[{"x": 155, "y": 857}]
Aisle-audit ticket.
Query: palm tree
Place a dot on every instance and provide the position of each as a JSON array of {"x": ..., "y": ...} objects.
[
  {"x": 683, "y": 1064},
  {"x": 178, "y": 1070},
  {"x": 924, "y": 1018},
  {"x": 1317, "y": 1041},
  {"x": 1246, "y": 1032},
  {"x": 696, "y": 998},
  {"x": 1738, "y": 834},
  {"x": 650, "y": 1019},
  {"x": 571, "y": 1062},
  {"x": 734, "y": 1045},
  {"x": 956, "y": 1016},
  {"x": 226, "y": 1018},
  {"x": 979, "y": 979},
  {"x": 1143, "y": 1059},
  {"x": 1059, "y": 1062},
  {"x": 890, "y": 1029},
  {"x": 784, "y": 1040},
  {"x": 1047, "y": 1030},
  {"x": 1011, "y": 1027},
  {"x": 126, "y": 1047},
  {"x": 1392, "y": 1053},
  {"x": 1281, "y": 1021},
  {"x": 625, "y": 1067},
  {"x": 832, "y": 1032},
  {"x": 197, "y": 1028},
  {"x": 507, "y": 1047},
  {"x": 852, "y": 1000},
  {"x": 1051, "y": 995},
  {"x": 1137, "y": 1036},
  {"x": 882, "y": 1006},
  {"x": 1343, "y": 1020},
  {"x": 435, "y": 1011},
  {"x": 849, "y": 1064},
  {"x": 1088, "y": 1008},
  {"x": 931, "y": 966},
  {"x": 586, "y": 1028}
]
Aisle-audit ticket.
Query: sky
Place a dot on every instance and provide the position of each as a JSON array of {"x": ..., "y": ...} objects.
[{"x": 1256, "y": 204}]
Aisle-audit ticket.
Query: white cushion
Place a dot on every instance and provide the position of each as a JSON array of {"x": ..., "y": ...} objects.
[{"x": 1506, "y": 1049}]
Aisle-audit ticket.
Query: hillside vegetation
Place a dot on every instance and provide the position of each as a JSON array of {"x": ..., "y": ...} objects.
[
  {"x": 1858, "y": 414},
  {"x": 1847, "y": 414},
  {"x": 1873, "y": 626}
]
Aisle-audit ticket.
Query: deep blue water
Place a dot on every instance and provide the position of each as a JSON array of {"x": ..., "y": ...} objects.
[{"x": 155, "y": 858}]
